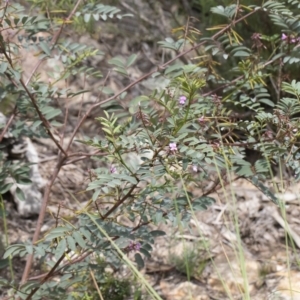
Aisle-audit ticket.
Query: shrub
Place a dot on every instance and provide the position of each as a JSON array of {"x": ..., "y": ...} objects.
[{"x": 237, "y": 94}]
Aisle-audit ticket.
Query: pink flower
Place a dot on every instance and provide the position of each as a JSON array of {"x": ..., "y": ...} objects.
[
  {"x": 182, "y": 100},
  {"x": 113, "y": 169},
  {"x": 202, "y": 119},
  {"x": 173, "y": 147},
  {"x": 195, "y": 169},
  {"x": 284, "y": 37}
]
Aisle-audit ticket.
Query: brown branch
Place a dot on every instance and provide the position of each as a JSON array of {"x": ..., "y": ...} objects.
[
  {"x": 118, "y": 203},
  {"x": 43, "y": 119},
  {"x": 41, "y": 217},
  {"x": 49, "y": 274}
]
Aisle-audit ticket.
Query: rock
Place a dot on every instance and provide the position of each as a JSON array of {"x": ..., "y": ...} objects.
[
  {"x": 288, "y": 287},
  {"x": 183, "y": 291},
  {"x": 226, "y": 275},
  {"x": 18, "y": 151},
  {"x": 32, "y": 192}
]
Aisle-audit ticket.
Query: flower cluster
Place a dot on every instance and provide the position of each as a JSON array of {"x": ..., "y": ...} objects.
[
  {"x": 182, "y": 100},
  {"x": 134, "y": 246},
  {"x": 290, "y": 39}
]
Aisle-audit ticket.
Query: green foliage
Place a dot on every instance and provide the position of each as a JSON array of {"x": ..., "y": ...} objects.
[{"x": 238, "y": 94}]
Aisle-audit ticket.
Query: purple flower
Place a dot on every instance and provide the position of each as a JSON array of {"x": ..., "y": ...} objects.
[
  {"x": 182, "y": 100},
  {"x": 137, "y": 246},
  {"x": 134, "y": 246},
  {"x": 173, "y": 147},
  {"x": 113, "y": 169},
  {"x": 195, "y": 168},
  {"x": 289, "y": 39},
  {"x": 202, "y": 119}
]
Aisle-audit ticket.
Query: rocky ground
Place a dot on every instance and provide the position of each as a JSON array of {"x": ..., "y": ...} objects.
[
  {"x": 264, "y": 262},
  {"x": 220, "y": 262}
]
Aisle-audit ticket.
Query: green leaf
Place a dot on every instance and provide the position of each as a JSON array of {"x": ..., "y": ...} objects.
[
  {"x": 53, "y": 113},
  {"x": 71, "y": 243},
  {"x": 86, "y": 233},
  {"x": 176, "y": 67},
  {"x": 5, "y": 188},
  {"x": 106, "y": 90},
  {"x": 131, "y": 59},
  {"x": 8, "y": 22},
  {"x": 17, "y": 75},
  {"x": 158, "y": 217},
  {"x": 20, "y": 194},
  {"x": 155, "y": 74},
  {"x": 3, "y": 66},
  {"x": 123, "y": 95},
  {"x": 59, "y": 231},
  {"x": 23, "y": 180},
  {"x": 86, "y": 18},
  {"x": 137, "y": 100},
  {"x": 78, "y": 238},
  {"x": 117, "y": 61},
  {"x": 267, "y": 101},
  {"x": 126, "y": 178},
  {"x": 40, "y": 249},
  {"x": 156, "y": 233},
  {"x": 96, "y": 17},
  {"x": 202, "y": 203},
  {"x": 45, "y": 47},
  {"x": 241, "y": 54},
  {"x": 3, "y": 264},
  {"x": 139, "y": 260},
  {"x": 96, "y": 194},
  {"x": 13, "y": 250},
  {"x": 145, "y": 252},
  {"x": 121, "y": 70},
  {"x": 29, "y": 249},
  {"x": 60, "y": 249}
]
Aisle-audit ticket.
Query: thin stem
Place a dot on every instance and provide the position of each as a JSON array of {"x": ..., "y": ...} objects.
[{"x": 2, "y": 209}]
